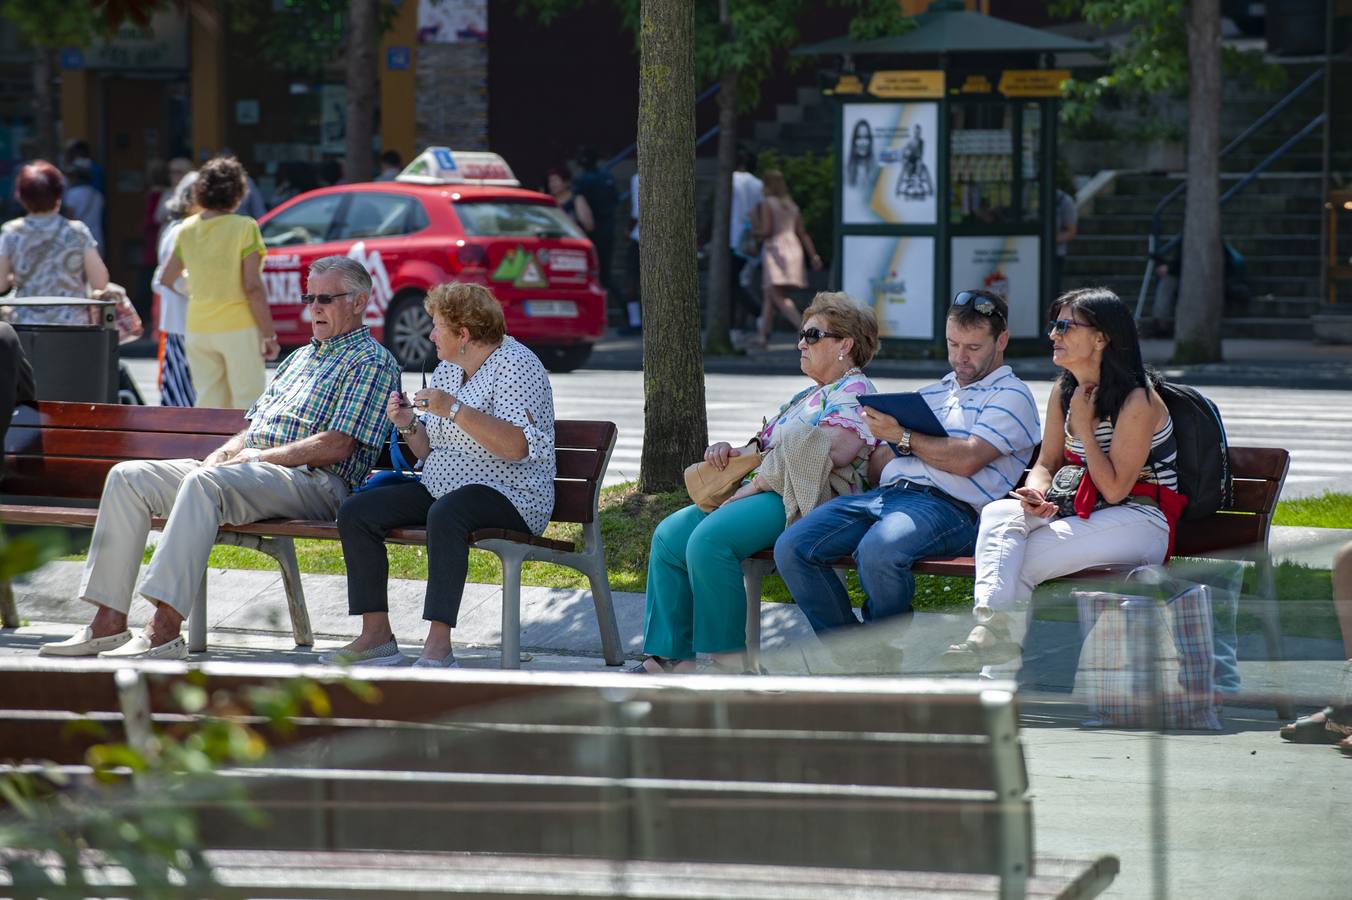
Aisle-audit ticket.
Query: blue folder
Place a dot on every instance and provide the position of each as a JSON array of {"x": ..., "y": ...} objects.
[{"x": 910, "y": 409}]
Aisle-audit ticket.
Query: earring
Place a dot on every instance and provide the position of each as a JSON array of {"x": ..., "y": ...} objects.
[
  {"x": 840, "y": 357},
  {"x": 462, "y": 349}
]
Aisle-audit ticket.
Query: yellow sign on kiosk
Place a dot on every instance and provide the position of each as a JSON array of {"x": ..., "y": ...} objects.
[
  {"x": 908, "y": 84},
  {"x": 1033, "y": 82}
]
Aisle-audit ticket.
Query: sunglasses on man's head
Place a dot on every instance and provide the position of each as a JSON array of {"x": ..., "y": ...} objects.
[
  {"x": 980, "y": 302},
  {"x": 810, "y": 336},
  {"x": 321, "y": 299},
  {"x": 1060, "y": 326}
]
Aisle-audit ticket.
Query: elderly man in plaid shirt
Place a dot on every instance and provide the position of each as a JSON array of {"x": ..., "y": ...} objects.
[{"x": 312, "y": 437}]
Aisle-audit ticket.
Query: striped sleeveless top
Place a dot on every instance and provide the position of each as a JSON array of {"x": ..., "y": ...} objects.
[{"x": 1160, "y": 466}]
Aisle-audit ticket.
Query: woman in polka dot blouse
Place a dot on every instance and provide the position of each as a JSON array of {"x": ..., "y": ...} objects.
[{"x": 484, "y": 432}]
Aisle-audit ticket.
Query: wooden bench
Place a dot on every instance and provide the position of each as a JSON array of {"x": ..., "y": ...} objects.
[
  {"x": 58, "y": 454},
  {"x": 1241, "y": 530},
  {"x": 587, "y": 785}
]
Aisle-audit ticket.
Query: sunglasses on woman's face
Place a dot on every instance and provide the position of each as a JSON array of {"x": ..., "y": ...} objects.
[
  {"x": 810, "y": 336},
  {"x": 1060, "y": 326}
]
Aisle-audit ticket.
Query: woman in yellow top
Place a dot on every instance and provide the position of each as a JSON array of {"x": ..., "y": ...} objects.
[{"x": 230, "y": 331}]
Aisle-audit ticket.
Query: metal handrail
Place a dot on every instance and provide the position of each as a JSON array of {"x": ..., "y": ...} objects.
[
  {"x": 633, "y": 148},
  {"x": 1154, "y": 251}
]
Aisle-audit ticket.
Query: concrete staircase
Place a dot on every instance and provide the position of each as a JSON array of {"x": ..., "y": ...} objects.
[{"x": 1274, "y": 222}]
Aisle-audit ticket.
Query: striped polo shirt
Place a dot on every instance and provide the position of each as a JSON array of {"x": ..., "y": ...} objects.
[
  {"x": 336, "y": 385},
  {"x": 1000, "y": 410}
]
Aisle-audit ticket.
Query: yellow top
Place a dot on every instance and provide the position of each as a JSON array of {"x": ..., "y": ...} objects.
[{"x": 212, "y": 251}]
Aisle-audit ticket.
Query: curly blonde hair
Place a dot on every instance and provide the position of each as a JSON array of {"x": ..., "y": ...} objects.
[
  {"x": 846, "y": 316},
  {"x": 469, "y": 306}
]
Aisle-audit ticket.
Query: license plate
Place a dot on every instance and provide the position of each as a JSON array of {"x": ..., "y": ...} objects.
[{"x": 560, "y": 309}]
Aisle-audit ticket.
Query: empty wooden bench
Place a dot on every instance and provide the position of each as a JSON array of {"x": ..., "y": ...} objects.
[
  {"x": 1242, "y": 531},
  {"x": 590, "y": 785},
  {"x": 57, "y": 455}
]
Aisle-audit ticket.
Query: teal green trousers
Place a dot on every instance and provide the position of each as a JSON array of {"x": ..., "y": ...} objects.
[{"x": 696, "y": 601}]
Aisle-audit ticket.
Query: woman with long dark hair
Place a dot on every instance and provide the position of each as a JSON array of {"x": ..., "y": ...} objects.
[
  {"x": 1106, "y": 424},
  {"x": 861, "y": 168}
]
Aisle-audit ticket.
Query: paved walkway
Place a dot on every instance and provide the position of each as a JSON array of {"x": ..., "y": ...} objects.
[{"x": 1248, "y": 816}]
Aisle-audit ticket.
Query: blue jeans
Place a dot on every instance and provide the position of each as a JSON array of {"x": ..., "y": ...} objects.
[{"x": 886, "y": 529}]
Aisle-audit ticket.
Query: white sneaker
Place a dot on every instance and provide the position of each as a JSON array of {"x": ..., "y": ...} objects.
[
  {"x": 84, "y": 644},
  {"x": 387, "y": 654},
  {"x": 139, "y": 647}
]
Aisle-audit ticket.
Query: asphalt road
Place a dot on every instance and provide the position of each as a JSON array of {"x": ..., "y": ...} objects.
[{"x": 1315, "y": 425}]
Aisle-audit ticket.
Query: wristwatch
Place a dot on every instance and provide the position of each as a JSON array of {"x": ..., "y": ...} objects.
[
  {"x": 250, "y": 454},
  {"x": 455, "y": 409},
  {"x": 408, "y": 429},
  {"x": 904, "y": 448}
]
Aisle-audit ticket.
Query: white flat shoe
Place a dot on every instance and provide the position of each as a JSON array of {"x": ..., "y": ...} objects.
[
  {"x": 139, "y": 648},
  {"x": 84, "y": 644}
]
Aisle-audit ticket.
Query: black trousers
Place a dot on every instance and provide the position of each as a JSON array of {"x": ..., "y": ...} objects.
[
  {"x": 16, "y": 380},
  {"x": 367, "y": 516}
]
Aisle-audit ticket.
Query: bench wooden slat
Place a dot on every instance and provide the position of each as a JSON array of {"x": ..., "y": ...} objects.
[
  {"x": 113, "y": 445},
  {"x": 116, "y": 417}
]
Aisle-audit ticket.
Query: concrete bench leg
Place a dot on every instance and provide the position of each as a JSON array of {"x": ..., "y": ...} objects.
[
  {"x": 605, "y": 611},
  {"x": 512, "y": 558},
  {"x": 283, "y": 549},
  {"x": 753, "y": 574},
  {"x": 9, "y": 613},
  {"x": 197, "y": 621}
]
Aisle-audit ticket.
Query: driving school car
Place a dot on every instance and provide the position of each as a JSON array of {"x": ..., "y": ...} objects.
[{"x": 449, "y": 216}]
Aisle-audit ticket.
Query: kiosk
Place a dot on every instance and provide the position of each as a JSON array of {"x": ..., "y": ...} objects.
[{"x": 945, "y": 176}]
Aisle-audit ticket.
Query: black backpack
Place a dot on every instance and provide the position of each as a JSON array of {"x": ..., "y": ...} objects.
[{"x": 1203, "y": 452}]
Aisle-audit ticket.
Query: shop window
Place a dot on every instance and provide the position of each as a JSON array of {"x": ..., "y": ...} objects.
[
  {"x": 380, "y": 215},
  {"x": 308, "y": 222},
  {"x": 982, "y": 160}
]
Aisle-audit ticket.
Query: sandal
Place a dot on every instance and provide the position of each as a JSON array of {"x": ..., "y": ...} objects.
[
  {"x": 667, "y": 666},
  {"x": 1311, "y": 729},
  {"x": 987, "y": 644}
]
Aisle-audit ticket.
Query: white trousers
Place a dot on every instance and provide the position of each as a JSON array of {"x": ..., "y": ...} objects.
[
  {"x": 197, "y": 500},
  {"x": 1017, "y": 552}
]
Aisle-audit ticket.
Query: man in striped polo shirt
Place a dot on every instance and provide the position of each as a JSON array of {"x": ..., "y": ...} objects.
[
  {"x": 312, "y": 437},
  {"x": 932, "y": 489}
]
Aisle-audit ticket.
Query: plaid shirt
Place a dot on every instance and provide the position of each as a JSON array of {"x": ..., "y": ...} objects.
[{"x": 336, "y": 385}]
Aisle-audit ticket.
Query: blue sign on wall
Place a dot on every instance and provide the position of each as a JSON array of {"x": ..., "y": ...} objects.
[
  {"x": 72, "y": 58},
  {"x": 397, "y": 58}
]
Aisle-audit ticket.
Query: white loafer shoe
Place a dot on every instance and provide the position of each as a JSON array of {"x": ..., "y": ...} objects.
[
  {"x": 424, "y": 662},
  {"x": 139, "y": 648},
  {"x": 84, "y": 644}
]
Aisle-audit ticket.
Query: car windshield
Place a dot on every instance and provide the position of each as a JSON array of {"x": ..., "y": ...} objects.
[{"x": 506, "y": 218}]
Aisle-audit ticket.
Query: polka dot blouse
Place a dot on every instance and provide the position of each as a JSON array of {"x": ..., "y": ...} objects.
[{"x": 511, "y": 385}]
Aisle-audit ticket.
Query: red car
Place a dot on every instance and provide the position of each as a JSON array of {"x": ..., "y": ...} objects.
[{"x": 448, "y": 217}]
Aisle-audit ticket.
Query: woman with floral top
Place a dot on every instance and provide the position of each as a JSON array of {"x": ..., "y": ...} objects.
[{"x": 696, "y": 603}]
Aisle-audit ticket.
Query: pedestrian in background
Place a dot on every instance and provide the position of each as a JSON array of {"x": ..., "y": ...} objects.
[
  {"x": 83, "y": 201},
  {"x": 1067, "y": 227},
  {"x": 598, "y": 188},
  {"x": 559, "y": 185},
  {"x": 633, "y": 277},
  {"x": 175, "y": 376},
  {"x": 47, "y": 255},
  {"x": 747, "y": 193},
  {"x": 157, "y": 185},
  {"x": 229, "y": 326},
  {"x": 391, "y": 164},
  {"x": 786, "y": 244}
]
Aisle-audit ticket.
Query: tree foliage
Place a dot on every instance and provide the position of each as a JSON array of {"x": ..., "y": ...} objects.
[
  {"x": 1153, "y": 59},
  {"x": 301, "y": 36}
]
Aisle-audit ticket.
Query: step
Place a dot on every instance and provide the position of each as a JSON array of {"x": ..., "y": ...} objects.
[
  {"x": 1244, "y": 204},
  {"x": 1251, "y": 246},
  {"x": 1300, "y": 328},
  {"x": 1287, "y": 225}
]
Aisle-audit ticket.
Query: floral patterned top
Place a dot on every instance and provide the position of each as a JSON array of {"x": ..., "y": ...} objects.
[{"x": 835, "y": 404}]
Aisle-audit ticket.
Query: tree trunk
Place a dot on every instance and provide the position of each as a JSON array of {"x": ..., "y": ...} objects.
[
  {"x": 362, "y": 79},
  {"x": 675, "y": 431},
  {"x": 44, "y": 106},
  {"x": 1197, "y": 329},
  {"x": 716, "y": 340}
]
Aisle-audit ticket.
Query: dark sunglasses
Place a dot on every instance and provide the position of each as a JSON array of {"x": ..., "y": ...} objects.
[
  {"x": 810, "y": 336},
  {"x": 980, "y": 302},
  {"x": 1060, "y": 326},
  {"x": 321, "y": 299}
]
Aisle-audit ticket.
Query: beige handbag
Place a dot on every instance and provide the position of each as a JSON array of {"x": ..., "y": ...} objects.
[{"x": 710, "y": 487}]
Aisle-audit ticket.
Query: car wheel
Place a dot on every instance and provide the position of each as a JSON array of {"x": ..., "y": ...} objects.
[
  {"x": 564, "y": 358},
  {"x": 406, "y": 326}
]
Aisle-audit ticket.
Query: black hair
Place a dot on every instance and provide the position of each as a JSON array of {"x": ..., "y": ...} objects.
[
  {"x": 220, "y": 184},
  {"x": 391, "y": 158},
  {"x": 587, "y": 156},
  {"x": 746, "y": 159},
  {"x": 967, "y": 315},
  {"x": 1122, "y": 369}
]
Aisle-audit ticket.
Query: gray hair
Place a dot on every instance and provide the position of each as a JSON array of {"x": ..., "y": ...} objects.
[
  {"x": 355, "y": 277},
  {"x": 182, "y": 199}
]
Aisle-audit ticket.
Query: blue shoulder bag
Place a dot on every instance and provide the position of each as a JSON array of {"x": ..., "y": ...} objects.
[{"x": 401, "y": 473}]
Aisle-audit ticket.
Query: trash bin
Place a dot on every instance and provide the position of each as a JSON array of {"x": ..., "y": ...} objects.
[{"x": 72, "y": 362}]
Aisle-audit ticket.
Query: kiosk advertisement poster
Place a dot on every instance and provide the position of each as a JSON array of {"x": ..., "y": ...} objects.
[
  {"x": 895, "y": 276},
  {"x": 889, "y": 163},
  {"x": 1006, "y": 265}
]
